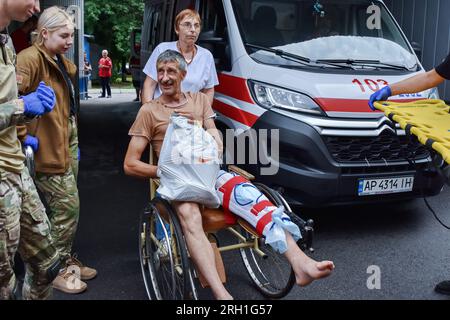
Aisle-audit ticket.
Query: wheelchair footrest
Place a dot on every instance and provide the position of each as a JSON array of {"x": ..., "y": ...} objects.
[{"x": 219, "y": 265}]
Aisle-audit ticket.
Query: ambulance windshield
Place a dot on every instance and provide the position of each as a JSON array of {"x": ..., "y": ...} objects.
[{"x": 336, "y": 31}]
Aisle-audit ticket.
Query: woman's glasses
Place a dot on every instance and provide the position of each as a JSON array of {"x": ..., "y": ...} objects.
[{"x": 189, "y": 26}]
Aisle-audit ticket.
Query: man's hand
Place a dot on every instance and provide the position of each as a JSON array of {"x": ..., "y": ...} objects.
[
  {"x": 187, "y": 115},
  {"x": 380, "y": 95},
  {"x": 39, "y": 102},
  {"x": 31, "y": 141}
]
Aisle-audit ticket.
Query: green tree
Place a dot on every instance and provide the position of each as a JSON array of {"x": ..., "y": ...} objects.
[{"x": 111, "y": 23}]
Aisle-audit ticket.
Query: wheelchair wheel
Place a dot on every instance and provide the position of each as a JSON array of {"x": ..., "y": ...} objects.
[
  {"x": 164, "y": 263},
  {"x": 272, "y": 273}
]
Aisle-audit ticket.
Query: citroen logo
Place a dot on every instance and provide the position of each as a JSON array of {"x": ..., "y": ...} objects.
[{"x": 386, "y": 127}]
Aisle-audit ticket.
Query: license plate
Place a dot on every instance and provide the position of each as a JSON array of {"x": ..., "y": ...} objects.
[{"x": 385, "y": 185}]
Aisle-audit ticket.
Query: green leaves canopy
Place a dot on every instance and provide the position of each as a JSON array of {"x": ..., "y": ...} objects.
[{"x": 111, "y": 22}]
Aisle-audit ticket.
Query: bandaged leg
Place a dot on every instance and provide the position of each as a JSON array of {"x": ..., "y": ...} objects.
[{"x": 240, "y": 197}]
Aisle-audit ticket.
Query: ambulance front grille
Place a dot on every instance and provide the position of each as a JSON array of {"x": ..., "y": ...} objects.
[{"x": 382, "y": 149}]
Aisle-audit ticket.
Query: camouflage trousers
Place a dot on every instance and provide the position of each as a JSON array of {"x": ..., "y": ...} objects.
[
  {"x": 24, "y": 227},
  {"x": 61, "y": 195}
]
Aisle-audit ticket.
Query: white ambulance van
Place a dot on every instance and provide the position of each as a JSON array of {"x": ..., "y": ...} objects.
[{"x": 303, "y": 71}]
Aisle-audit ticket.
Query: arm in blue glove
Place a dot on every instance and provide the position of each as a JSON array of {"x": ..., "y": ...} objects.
[
  {"x": 380, "y": 95},
  {"x": 39, "y": 102},
  {"x": 31, "y": 141}
]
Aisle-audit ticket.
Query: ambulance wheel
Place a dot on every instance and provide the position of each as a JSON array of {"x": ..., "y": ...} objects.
[
  {"x": 272, "y": 273},
  {"x": 165, "y": 265}
]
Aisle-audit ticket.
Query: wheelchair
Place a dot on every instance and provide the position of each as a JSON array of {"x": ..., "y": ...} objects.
[{"x": 169, "y": 273}]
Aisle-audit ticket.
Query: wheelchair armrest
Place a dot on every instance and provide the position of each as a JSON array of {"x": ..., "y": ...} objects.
[
  {"x": 241, "y": 172},
  {"x": 156, "y": 182}
]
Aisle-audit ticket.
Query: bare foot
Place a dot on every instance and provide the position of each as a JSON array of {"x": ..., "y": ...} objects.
[{"x": 311, "y": 270}]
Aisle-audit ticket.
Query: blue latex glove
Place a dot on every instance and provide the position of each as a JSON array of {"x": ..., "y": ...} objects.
[
  {"x": 380, "y": 95},
  {"x": 31, "y": 141},
  {"x": 78, "y": 154},
  {"x": 39, "y": 102}
]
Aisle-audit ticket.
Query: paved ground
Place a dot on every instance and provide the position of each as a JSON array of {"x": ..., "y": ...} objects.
[
  {"x": 404, "y": 240},
  {"x": 93, "y": 93},
  {"x": 110, "y": 201}
]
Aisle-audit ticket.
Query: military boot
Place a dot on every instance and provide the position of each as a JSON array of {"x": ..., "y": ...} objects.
[
  {"x": 68, "y": 281},
  {"x": 86, "y": 272}
]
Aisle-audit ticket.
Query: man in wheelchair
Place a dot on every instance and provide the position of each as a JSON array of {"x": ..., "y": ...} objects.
[{"x": 150, "y": 126}]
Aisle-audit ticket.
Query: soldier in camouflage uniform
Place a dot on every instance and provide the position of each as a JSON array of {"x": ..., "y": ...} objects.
[
  {"x": 24, "y": 225},
  {"x": 55, "y": 136}
]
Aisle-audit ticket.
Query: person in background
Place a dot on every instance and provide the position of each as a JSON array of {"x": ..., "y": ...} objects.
[
  {"x": 150, "y": 127},
  {"x": 54, "y": 138},
  {"x": 135, "y": 68},
  {"x": 22, "y": 36},
  {"x": 201, "y": 71},
  {"x": 104, "y": 72},
  {"x": 137, "y": 87},
  {"x": 415, "y": 84},
  {"x": 87, "y": 69},
  {"x": 201, "y": 75},
  {"x": 24, "y": 225}
]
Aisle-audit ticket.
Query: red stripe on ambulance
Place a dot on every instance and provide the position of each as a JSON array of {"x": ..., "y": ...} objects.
[
  {"x": 234, "y": 87},
  {"x": 235, "y": 113},
  {"x": 349, "y": 105}
]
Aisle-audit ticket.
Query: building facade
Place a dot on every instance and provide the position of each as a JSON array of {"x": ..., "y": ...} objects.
[{"x": 426, "y": 22}]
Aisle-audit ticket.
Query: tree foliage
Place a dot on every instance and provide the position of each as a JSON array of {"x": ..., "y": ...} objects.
[{"x": 111, "y": 23}]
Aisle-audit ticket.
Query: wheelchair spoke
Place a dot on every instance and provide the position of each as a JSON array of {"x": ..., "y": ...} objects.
[
  {"x": 272, "y": 274},
  {"x": 259, "y": 269}
]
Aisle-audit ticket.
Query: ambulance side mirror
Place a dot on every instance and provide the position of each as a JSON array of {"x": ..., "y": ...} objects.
[{"x": 417, "y": 50}]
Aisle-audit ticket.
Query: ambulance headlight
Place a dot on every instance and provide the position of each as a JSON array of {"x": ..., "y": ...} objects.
[{"x": 274, "y": 97}]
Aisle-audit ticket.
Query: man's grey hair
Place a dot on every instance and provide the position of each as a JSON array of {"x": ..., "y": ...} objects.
[{"x": 172, "y": 56}]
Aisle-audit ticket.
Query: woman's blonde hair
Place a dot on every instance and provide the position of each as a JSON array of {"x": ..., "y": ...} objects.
[{"x": 52, "y": 19}]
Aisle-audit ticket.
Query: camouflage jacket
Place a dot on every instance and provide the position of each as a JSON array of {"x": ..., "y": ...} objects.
[{"x": 11, "y": 112}]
